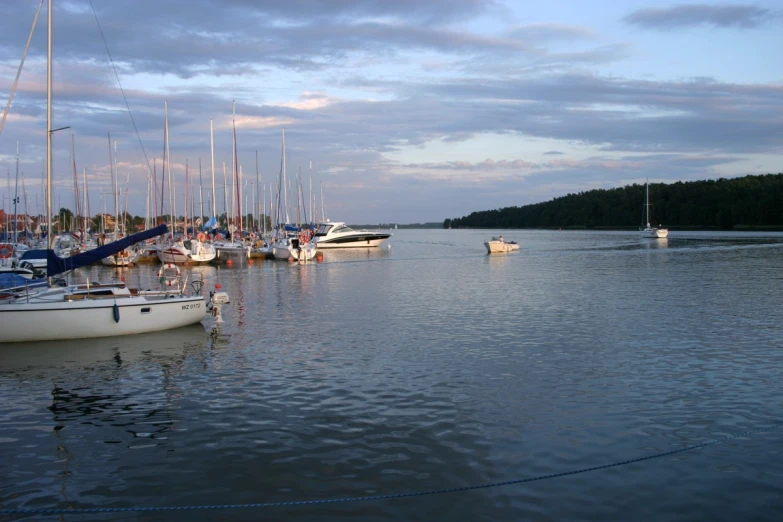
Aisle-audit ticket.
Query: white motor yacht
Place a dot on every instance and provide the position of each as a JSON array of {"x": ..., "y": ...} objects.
[{"x": 338, "y": 235}]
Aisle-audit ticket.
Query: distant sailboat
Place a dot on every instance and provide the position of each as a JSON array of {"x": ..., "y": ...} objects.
[{"x": 648, "y": 231}]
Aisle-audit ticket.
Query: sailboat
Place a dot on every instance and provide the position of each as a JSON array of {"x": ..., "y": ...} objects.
[
  {"x": 648, "y": 231},
  {"x": 291, "y": 241},
  {"x": 233, "y": 249},
  {"x": 86, "y": 311}
]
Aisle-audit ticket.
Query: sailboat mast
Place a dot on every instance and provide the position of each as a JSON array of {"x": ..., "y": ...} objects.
[
  {"x": 237, "y": 172},
  {"x": 187, "y": 190},
  {"x": 172, "y": 218},
  {"x": 113, "y": 183},
  {"x": 310, "y": 197},
  {"x": 85, "y": 207},
  {"x": 49, "y": 237},
  {"x": 77, "y": 200},
  {"x": 285, "y": 191},
  {"x": 16, "y": 193},
  {"x": 225, "y": 194},
  {"x": 212, "y": 152},
  {"x": 200, "y": 193}
]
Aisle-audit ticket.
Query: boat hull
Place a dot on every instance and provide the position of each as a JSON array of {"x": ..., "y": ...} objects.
[
  {"x": 235, "y": 254},
  {"x": 174, "y": 255},
  {"x": 360, "y": 241},
  {"x": 655, "y": 233},
  {"x": 500, "y": 247},
  {"x": 286, "y": 252},
  {"x": 89, "y": 318}
]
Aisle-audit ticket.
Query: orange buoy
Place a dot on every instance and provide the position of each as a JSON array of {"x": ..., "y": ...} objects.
[
  {"x": 250, "y": 261},
  {"x": 229, "y": 262}
]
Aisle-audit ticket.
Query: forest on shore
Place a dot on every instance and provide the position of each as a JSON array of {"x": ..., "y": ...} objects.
[{"x": 754, "y": 201}]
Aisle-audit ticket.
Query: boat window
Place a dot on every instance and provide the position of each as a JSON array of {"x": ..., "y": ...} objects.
[
  {"x": 146, "y": 310},
  {"x": 342, "y": 229},
  {"x": 324, "y": 229}
]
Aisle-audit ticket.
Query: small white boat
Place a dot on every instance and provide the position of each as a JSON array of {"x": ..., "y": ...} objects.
[
  {"x": 294, "y": 248},
  {"x": 190, "y": 251},
  {"x": 648, "y": 231},
  {"x": 338, "y": 235},
  {"x": 234, "y": 251},
  {"x": 124, "y": 258},
  {"x": 498, "y": 245}
]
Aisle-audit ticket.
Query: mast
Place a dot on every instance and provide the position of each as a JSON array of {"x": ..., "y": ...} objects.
[
  {"x": 113, "y": 184},
  {"x": 237, "y": 171},
  {"x": 225, "y": 194},
  {"x": 187, "y": 190},
  {"x": 310, "y": 197},
  {"x": 16, "y": 194},
  {"x": 172, "y": 217},
  {"x": 49, "y": 238},
  {"x": 77, "y": 200},
  {"x": 163, "y": 163},
  {"x": 85, "y": 207},
  {"x": 285, "y": 192},
  {"x": 256, "y": 194},
  {"x": 200, "y": 193},
  {"x": 212, "y": 152}
]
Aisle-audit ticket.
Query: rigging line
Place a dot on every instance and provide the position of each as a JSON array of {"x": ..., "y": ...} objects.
[
  {"x": 19, "y": 72},
  {"x": 116, "y": 74},
  {"x": 389, "y": 496}
]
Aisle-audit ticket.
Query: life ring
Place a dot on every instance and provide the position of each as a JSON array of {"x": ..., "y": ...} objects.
[
  {"x": 202, "y": 237},
  {"x": 6, "y": 251},
  {"x": 167, "y": 279},
  {"x": 303, "y": 237}
]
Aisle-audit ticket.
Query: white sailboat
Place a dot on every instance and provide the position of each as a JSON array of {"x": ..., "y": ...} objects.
[
  {"x": 75, "y": 312},
  {"x": 234, "y": 249},
  {"x": 648, "y": 231},
  {"x": 290, "y": 243}
]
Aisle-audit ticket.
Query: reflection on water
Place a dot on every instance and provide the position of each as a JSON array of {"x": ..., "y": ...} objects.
[{"x": 428, "y": 365}]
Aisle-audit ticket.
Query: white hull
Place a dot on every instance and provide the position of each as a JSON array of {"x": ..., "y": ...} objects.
[
  {"x": 202, "y": 252},
  {"x": 173, "y": 254},
  {"x": 49, "y": 316},
  {"x": 500, "y": 247},
  {"x": 285, "y": 251},
  {"x": 236, "y": 253},
  {"x": 363, "y": 242},
  {"x": 122, "y": 259},
  {"x": 655, "y": 233}
]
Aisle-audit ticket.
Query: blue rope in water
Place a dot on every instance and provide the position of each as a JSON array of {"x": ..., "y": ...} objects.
[{"x": 382, "y": 497}]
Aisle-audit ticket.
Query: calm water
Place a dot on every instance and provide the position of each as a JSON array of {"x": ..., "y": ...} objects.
[{"x": 423, "y": 366}]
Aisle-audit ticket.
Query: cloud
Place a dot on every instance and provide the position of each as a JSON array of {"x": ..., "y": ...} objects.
[
  {"x": 358, "y": 84},
  {"x": 488, "y": 165},
  {"x": 743, "y": 16}
]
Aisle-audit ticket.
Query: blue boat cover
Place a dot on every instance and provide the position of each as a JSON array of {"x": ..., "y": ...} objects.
[
  {"x": 11, "y": 280},
  {"x": 57, "y": 265}
]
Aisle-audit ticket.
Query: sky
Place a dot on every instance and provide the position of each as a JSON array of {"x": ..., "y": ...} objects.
[{"x": 401, "y": 112}]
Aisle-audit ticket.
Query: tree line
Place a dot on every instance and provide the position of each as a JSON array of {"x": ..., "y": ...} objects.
[{"x": 749, "y": 201}]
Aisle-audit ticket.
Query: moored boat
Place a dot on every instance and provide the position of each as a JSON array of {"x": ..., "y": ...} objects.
[{"x": 338, "y": 235}]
